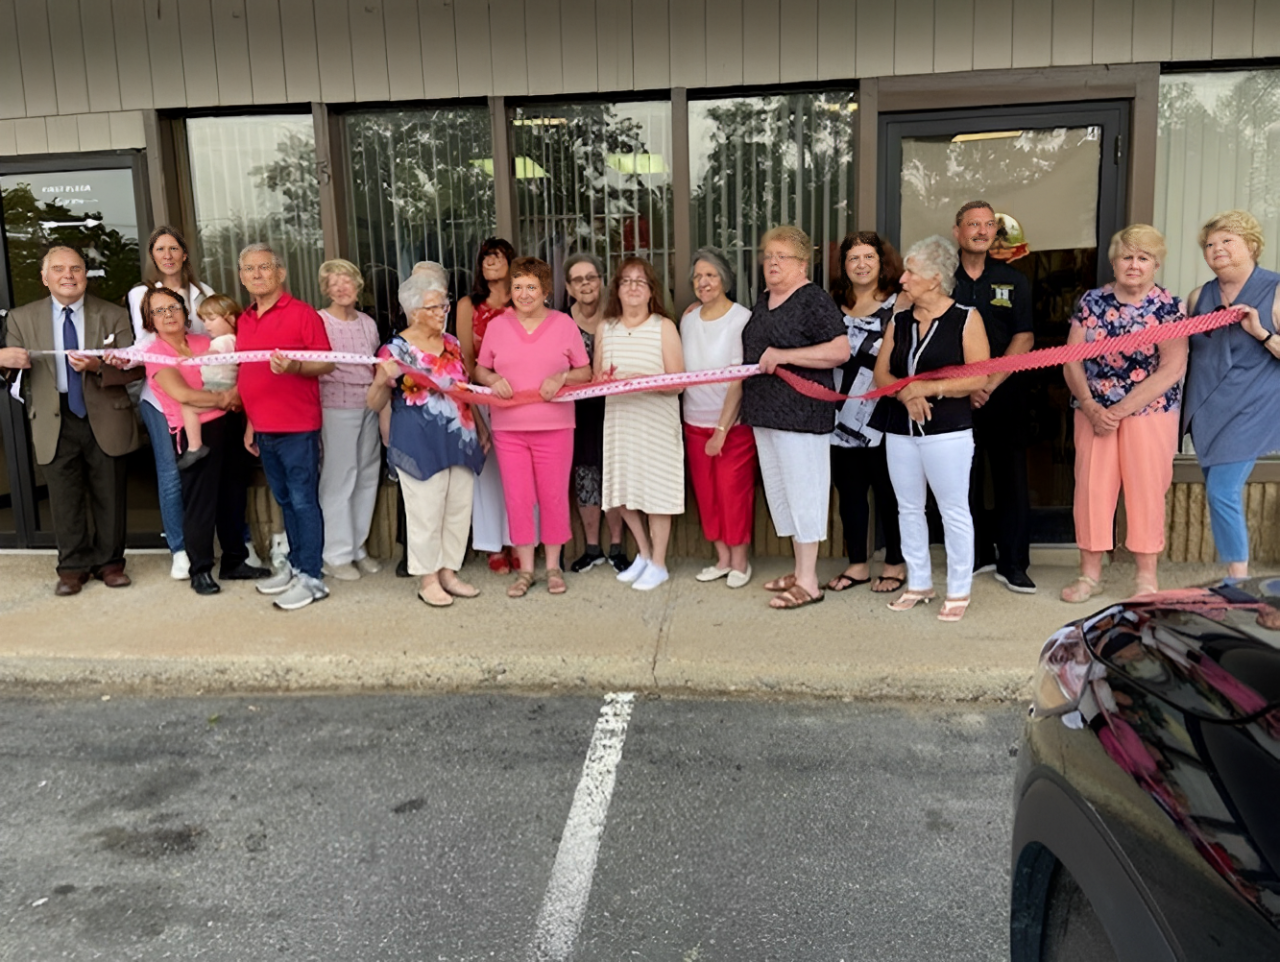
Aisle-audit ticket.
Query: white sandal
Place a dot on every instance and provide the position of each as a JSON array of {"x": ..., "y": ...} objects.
[{"x": 1081, "y": 590}]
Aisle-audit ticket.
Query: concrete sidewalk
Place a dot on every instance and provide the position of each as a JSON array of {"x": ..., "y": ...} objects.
[{"x": 684, "y": 638}]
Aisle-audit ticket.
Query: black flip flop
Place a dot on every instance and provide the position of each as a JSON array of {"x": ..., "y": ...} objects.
[{"x": 842, "y": 582}]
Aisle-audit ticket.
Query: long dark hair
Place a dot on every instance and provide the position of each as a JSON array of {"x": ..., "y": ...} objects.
[
  {"x": 151, "y": 275},
  {"x": 890, "y": 267},
  {"x": 480, "y": 286},
  {"x": 613, "y": 307}
]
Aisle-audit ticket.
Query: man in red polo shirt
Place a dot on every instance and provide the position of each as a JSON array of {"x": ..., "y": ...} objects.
[{"x": 282, "y": 404}]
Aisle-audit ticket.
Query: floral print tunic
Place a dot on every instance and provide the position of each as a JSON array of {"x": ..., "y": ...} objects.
[
  {"x": 1112, "y": 376},
  {"x": 429, "y": 430}
]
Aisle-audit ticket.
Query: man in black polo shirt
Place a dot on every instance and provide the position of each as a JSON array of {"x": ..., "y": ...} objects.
[{"x": 1001, "y": 417}]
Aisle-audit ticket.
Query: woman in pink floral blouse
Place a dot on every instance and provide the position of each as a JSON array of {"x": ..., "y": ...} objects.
[
  {"x": 1126, "y": 412},
  {"x": 437, "y": 445}
]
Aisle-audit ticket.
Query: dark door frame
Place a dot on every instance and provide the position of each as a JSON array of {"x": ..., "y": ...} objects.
[
  {"x": 1113, "y": 116},
  {"x": 13, "y": 423}
]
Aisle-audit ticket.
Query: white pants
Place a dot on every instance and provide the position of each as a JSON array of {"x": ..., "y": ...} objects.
[
  {"x": 489, "y": 507},
  {"x": 796, "y": 470},
  {"x": 437, "y": 513},
  {"x": 941, "y": 463},
  {"x": 351, "y": 454}
]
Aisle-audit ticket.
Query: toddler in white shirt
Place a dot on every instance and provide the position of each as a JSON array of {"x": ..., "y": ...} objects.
[{"x": 219, "y": 315}]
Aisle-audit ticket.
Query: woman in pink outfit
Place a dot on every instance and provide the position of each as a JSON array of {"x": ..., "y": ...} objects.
[{"x": 532, "y": 348}]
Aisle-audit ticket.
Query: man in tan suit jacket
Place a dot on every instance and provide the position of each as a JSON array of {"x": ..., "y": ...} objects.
[{"x": 81, "y": 417}]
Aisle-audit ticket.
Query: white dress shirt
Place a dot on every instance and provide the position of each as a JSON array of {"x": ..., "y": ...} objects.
[{"x": 77, "y": 318}]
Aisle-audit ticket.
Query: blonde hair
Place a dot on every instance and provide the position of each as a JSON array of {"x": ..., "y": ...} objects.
[
  {"x": 1239, "y": 222},
  {"x": 343, "y": 268},
  {"x": 1138, "y": 237},
  {"x": 220, "y": 305},
  {"x": 793, "y": 237}
]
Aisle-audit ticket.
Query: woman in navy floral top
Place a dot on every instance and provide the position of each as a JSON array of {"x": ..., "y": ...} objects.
[
  {"x": 1126, "y": 412},
  {"x": 437, "y": 445}
]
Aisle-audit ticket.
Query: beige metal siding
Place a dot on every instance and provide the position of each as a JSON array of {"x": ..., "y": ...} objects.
[{"x": 73, "y": 57}]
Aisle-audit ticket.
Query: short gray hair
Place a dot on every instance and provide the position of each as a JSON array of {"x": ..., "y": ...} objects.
[
  {"x": 415, "y": 288},
  {"x": 433, "y": 270},
  {"x": 583, "y": 257},
  {"x": 258, "y": 247},
  {"x": 716, "y": 258},
  {"x": 934, "y": 257}
]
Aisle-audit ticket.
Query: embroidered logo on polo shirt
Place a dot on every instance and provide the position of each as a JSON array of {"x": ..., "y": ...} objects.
[{"x": 1002, "y": 295}]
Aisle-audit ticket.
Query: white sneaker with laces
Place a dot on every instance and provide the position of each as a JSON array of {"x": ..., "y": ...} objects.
[
  {"x": 712, "y": 573},
  {"x": 319, "y": 589},
  {"x": 634, "y": 571},
  {"x": 298, "y": 595},
  {"x": 181, "y": 570},
  {"x": 652, "y": 576},
  {"x": 739, "y": 578},
  {"x": 277, "y": 583}
]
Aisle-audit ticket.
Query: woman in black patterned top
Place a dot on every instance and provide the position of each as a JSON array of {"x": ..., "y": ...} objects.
[{"x": 866, "y": 291}]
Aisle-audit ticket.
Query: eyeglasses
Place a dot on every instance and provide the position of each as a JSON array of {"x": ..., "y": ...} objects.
[
  {"x": 258, "y": 269},
  {"x": 632, "y": 282},
  {"x": 435, "y": 308},
  {"x": 588, "y": 279},
  {"x": 168, "y": 311},
  {"x": 779, "y": 258}
]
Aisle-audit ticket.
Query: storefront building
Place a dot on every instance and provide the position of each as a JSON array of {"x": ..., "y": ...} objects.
[{"x": 394, "y": 131}]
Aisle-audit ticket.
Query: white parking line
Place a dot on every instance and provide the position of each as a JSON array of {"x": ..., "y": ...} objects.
[{"x": 565, "y": 904}]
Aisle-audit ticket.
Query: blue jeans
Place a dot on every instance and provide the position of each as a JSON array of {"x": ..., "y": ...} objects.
[
  {"x": 1224, "y": 490},
  {"x": 168, "y": 482},
  {"x": 292, "y": 465}
]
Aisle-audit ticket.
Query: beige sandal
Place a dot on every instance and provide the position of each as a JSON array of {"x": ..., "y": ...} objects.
[
  {"x": 1081, "y": 590},
  {"x": 520, "y": 587},
  {"x": 555, "y": 582},
  {"x": 909, "y": 599},
  {"x": 953, "y": 609}
]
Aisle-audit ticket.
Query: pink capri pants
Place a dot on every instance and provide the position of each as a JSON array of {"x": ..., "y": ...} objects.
[
  {"x": 1137, "y": 456},
  {"x": 535, "y": 473}
]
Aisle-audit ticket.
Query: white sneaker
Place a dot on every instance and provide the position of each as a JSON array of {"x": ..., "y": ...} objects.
[
  {"x": 277, "y": 583},
  {"x": 181, "y": 570},
  {"x": 298, "y": 595},
  {"x": 253, "y": 560},
  {"x": 319, "y": 589},
  {"x": 712, "y": 573},
  {"x": 652, "y": 576},
  {"x": 346, "y": 572},
  {"x": 368, "y": 565},
  {"x": 739, "y": 578},
  {"x": 634, "y": 571}
]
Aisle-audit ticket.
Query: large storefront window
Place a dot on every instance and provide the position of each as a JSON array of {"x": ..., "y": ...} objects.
[
  {"x": 594, "y": 177},
  {"x": 421, "y": 189},
  {"x": 757, "y": 162},
  {"x": 254, "y": 179},
  {"x": 1218, "y": 149}
]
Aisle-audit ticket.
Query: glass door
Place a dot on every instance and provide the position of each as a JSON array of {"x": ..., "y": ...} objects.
[
  {"x": 1056, "y": 176},
  {"x": 90, "y": 203}
]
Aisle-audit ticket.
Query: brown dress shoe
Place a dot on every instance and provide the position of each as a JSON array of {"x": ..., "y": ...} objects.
[
  {"x": 113, "y": 576},
  {"x": 70, "y": 582}
]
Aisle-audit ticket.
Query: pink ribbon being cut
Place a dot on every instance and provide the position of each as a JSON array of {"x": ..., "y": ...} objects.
[{"x": 475, "y": 394}]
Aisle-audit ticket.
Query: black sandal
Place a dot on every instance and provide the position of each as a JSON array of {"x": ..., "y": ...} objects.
[
  {"x": 896, "y": 586},
  {"x": 845, "y": 581}
]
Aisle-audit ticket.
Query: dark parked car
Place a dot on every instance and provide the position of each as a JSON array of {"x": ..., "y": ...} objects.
[{"x": 1147, "y": 821}]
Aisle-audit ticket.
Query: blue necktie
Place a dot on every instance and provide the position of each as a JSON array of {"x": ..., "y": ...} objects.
[{"x": 75, "y": 386}]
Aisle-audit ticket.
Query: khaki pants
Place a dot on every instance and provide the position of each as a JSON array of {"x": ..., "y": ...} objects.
[{"x": 437, "y": 513}]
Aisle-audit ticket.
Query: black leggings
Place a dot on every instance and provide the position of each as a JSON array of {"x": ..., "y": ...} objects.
[
  {"x": 213, "y": 496},
  {"x": 853, "y": 471}
]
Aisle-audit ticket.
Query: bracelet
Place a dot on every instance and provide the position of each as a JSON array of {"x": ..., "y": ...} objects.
[
  {"x": 721, "y": 427},
  {"x": 1267, "y": 340}
]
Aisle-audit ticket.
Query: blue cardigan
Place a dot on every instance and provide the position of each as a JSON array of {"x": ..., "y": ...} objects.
[{"x": 1233, "y": 382}]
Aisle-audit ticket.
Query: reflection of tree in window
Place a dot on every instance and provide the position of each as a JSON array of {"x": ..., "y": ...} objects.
[
  {"x": 764, "y": 161},
  {"x": 588, "y": 179},
  {"x": 111, "y": 257},
  {"x": 421, "y": 189}
]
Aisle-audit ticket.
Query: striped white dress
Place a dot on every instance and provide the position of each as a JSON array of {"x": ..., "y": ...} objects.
[{"x": 643, "y": 446}]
